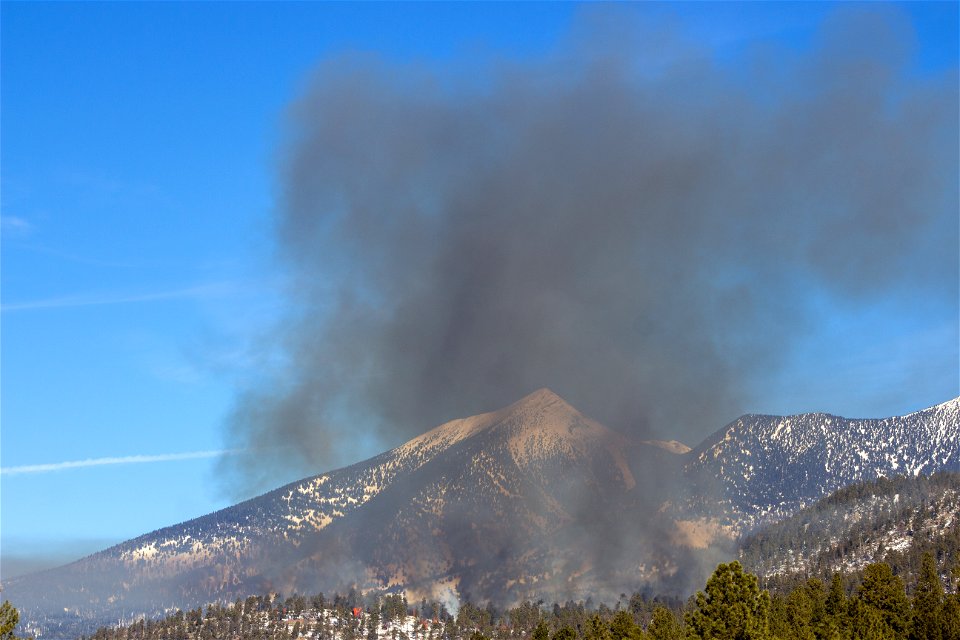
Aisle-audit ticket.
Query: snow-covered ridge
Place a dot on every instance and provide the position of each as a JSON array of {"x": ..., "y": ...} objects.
[
  {"x": 946, "y": 411},
  {"x": 770, "y": 466}
]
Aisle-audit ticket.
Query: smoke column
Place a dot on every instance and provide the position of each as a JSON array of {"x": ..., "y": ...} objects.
[{"x": 626, "y": 221}]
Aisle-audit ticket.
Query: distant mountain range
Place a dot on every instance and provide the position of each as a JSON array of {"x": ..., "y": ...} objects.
[
  {"x": 768, "y": 467},
  {"x": 893, "y": 520},
  {"x": 534, "y": 501}
]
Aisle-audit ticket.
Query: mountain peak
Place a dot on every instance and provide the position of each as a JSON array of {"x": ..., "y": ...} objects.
[
  {"x": 531, "y": 423},
  {"x": 950, "y": 407},
  {"x": 539, "y": 399},
  {"x": 544, "y": 411}
]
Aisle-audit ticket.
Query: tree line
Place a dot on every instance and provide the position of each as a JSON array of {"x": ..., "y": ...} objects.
[{"x": 875, "y": 605}]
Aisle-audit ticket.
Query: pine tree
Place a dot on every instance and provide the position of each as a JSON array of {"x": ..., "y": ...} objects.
[
  {"x": 927, "y": 623},
  {"x": 867, "y": 623},
  {"x": 884, "y": 593},
  {"x": 818, "y": 607},
  {"x": 541, "y": 632},
  {"x": 950, "y": 617},
  {"x": 564, "y": 633},
  {"x": 623, "y": 627},
  {"x": 779, "y": 626},
  {"x": 800, "y": 614},
  {"x": 664, "y": 625},
  {"x": 836, "y": 599},
  {"x": 597, "y": 629},
  {"x": 373, "y": 620},
  {"x": 732, "y": 607},
  {"x": 835, "y": 610},
  {"x": 9, "y": 619}
]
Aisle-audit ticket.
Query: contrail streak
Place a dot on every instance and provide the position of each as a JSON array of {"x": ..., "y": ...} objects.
[
  {"x": 99, "y": 462},
  {"x": 113, "y": 298}
]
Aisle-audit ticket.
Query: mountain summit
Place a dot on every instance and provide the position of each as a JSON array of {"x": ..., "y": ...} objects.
[
  {"x": 534, "y": 425},
  {"x": 534, "y": 500},
  {"x": 538, "y": 427}
]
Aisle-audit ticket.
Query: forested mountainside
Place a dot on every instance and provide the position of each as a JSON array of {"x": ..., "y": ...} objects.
[
  {"x": 894, "y": 520},
  {"x": 879, "y": 605}
]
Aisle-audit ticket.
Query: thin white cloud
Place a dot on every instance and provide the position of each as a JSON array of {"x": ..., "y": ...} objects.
[
  {"x": 13, "y": 224},
  {"x": 99, "y": 462},
  {"x": 85, "y": 300}
]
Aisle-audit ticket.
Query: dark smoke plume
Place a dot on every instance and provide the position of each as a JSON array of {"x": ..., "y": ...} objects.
[{"x": 626, "y": 221}]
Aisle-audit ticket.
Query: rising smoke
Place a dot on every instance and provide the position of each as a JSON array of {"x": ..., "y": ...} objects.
[{"x": 627, "y": 221}]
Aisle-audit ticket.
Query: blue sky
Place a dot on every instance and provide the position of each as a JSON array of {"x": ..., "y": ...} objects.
[{"x": 139, "y": 152}]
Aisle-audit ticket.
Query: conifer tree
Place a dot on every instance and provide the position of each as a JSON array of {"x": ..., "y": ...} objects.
[
  {"x": 564, "y": 633},
  {"x": 373, "y": 621},
  {"x": 950, "y": 617},
  {"x": 542, "y": 631},
  {"x": 800, "y": 614},
  {"x": 867, "y": 623},
  {"x": 623, "y": 627},
  {"x": 779, "y": 627},
  {"x": 927, "y": 623},
  {"x": 836, "y": 602},
  {"x": 818, "y": 607},
  {"x": 834, "y": 611},
  {"x": 951, "y": 609},
  {"x": 732, "y": 607},
  {"x": 9, "y": 619},
  {"x": 597, "y": 629},
  {"x": 883, "y": 592},
  {"x": 664, "y": 625}
]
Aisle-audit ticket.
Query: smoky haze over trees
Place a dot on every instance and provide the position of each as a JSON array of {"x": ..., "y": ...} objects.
[
  {"x": 731, "y": 607},
  {"x": 640, "y": 228}
]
